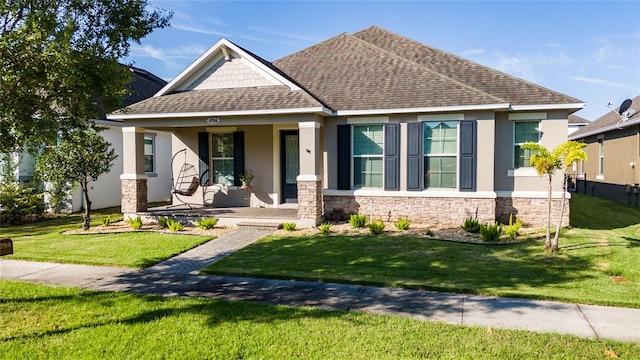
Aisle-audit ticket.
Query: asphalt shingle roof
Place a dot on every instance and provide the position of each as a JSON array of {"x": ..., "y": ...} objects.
[
  {"x": 575, "y": 119},
  {"x": 609, "y": 119}
]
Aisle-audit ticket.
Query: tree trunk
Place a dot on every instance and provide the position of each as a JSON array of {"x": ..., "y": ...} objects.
[
  {"x": 554, "y": 245},
  {"x": 547, "y": 242},
  {"x": 86, "y": 217}
]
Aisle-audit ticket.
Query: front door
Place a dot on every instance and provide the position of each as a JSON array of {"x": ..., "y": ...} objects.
[{"x": 289, "y": 165}]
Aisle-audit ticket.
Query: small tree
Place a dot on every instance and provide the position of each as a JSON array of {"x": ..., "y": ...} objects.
[
  {"x": 547, "y": 163},
  {"x": 80, "y": 157}
]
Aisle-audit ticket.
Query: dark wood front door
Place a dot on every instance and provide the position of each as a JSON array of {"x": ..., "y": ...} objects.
[{"x": 289, "y": 165}]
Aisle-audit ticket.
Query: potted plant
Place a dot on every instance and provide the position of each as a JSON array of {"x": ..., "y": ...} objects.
[{"x": 246, "y": 178}]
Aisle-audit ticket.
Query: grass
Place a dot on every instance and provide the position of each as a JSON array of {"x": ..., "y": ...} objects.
[
  {"x": 40, "y": 322},
  {"x": 604, "y": 242},
  {"x": 43, "y": 241}
]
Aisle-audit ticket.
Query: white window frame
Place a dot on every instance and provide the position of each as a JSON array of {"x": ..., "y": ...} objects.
[
  {"x": 456, "y": 155},
  {"x": 600, "y": 175},
  {"x": 354, "y": 156},
  {"x": 513, "y": 148},
  {"x": 212, "y": 159},
  {"x": 152, "y": 137}
]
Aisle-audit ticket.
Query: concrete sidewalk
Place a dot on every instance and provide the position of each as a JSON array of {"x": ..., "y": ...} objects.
[{"x": 175, "y": 278}]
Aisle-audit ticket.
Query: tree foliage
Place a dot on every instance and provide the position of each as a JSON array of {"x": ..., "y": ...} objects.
[
  {"x": 547, "y": 163},
  {"x": 59, "y": 63},
  {"x": 80, "y": 157}
]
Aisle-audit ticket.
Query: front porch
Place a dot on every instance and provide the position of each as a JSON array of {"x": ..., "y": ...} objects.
[{"x": 229, "y": 216}]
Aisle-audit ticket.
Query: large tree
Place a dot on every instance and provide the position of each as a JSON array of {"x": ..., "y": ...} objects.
[
  {"x": 80, "y": 157},
  {"x": 546, "y": 164},
  {"x": 59, "y": 63}
]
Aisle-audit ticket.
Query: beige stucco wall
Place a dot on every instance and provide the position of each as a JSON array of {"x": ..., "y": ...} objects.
[{"x": 621, "y": 148}]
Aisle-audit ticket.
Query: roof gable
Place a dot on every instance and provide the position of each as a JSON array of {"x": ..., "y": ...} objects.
[{"x": 226, "y": 65}]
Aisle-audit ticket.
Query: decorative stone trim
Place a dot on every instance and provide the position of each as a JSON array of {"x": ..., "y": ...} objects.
[
  {"x": 134, "y": 195},
  {"x": 532, "y": 212},
  {"x": 310, "y": 200}
]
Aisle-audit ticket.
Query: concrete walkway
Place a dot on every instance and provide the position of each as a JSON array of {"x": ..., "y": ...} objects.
[{"x": 175, "y": 277}]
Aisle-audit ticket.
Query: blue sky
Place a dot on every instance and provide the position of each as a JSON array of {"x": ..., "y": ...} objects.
[{"x": 586, "y": 49}]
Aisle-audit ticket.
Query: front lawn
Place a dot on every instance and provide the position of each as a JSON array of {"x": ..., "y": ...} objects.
[
  {"x": 40, "y": 322},
  {"x": 44, "y": 241},
  {"x": 598, "y": 265}
]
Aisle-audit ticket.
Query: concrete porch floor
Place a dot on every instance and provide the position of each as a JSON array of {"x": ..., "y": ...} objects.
[{"x": 228, "y": 216}]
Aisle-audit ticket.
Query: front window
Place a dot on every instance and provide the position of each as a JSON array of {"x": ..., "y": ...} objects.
[
  {"x": 149, "y": 154},
  {"x": 600, "y": 157},
  {"x": 368, "y": 145},
  {"x": 523, "y": 132},
  {"x": 222, "y": 158},
  {"x": 440, "y": 154}
]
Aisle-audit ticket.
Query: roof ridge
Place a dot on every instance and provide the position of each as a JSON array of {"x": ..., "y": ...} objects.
[{"x": 422, "y": 66}]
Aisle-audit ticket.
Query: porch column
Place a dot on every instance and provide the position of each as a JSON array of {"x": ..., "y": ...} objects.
[
  {"x": 310, "y": 180},
  {"x": 133, "y": 179}
]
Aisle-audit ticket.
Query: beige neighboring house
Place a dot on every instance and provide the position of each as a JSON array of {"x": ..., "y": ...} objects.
[
  {"x": 371, "y": 123},
  {"x": 613, "y": 150}
]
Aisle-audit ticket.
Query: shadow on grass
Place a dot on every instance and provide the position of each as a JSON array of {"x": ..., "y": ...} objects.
[{"x": 589, "y": 212}]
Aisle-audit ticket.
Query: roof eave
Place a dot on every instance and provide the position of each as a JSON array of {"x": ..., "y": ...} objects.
[
  {"x": 569, "y": 106},
  {"x": 616, "y": 126},
  {"x": 307, "y": 110}
]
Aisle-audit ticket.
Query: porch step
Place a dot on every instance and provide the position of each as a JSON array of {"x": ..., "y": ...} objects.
[{"x": 258, "y": 225}]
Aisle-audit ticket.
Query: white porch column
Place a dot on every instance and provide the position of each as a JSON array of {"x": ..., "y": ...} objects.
[
  {"x": 133, "y": 179},
  {"x": 310, "y": 179}
]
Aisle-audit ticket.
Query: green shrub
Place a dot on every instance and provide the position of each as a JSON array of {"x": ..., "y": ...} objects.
[
  {"x": 289, "y": 226},
  {"x": 136, "y": 223},
  {"x": 174, "y": 225},
  {"x": 490, "y": 233},
  {"x": 513, "y": 229},
  {"x": 428, "y": 232},
  {"x": 163, "y": 222},
  {"x": 206, "y": 223},
  {"x": 358, "y": 221},
  {"x": 19, "y": 204},
  {"x": 471, "y": 225},
  {"x": 105, "y": 220},
  {"x": 324, "y": 228},
  {"x": 402, "y": 224},
  {"x": 376, "y": 227}
]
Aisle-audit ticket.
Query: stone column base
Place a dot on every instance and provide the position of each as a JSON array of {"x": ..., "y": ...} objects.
[
  {"x": 134, "y": 195},
  {"x": 310, "y": 201}
]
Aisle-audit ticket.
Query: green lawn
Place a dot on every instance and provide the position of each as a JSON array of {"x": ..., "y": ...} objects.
[
  {"x": 43, "y": 241},
  {"x": 40, "y": 322},
  {"x": 605, "y": 242}
]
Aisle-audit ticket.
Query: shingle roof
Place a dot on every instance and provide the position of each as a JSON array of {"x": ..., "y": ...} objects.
[
  {"x": 575, "y": 119},
  {"x": 347, "y": 73},
  {"x": 236, "y": 99},
  {"x": 144, "y": 85},
  {"x": 608, "y": 122},
  {"x": 506, "y": 87}
]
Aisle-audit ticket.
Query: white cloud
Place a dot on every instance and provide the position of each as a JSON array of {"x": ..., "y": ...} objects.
[
  {"x": 198, "y": 30},
  {"x": 174, "y": 58},
  {"x": 603, "y": 82},
  {"x": 286, "y": 35},
  {"x": 471, "y": 52}
]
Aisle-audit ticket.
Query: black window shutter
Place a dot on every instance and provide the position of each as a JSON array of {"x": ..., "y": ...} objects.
[
  {"x": 203, "y": 156},
  {"x": 414, "y": 142},
  {"x": 238, "y": 157},
  {"x": 468, "y": 146},
  {"x": 392, "y": 157},
  {"x": 344, "y": 157}
]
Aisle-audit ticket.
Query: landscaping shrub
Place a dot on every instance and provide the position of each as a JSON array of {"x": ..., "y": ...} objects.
[
  {"x": 163, "y": 222},
  {"x": 358, "y": 221},
  {"x": 174, "y": 225},
  {"x": 513, "y": 229},
  {"x": 490, "y": 233},
  {"x": 19, "y": 204},
  {"x": 289, "y": 226},
  {"x": 428, "y": 232},
  {"x": 402, "y": 224},
  {"x": 376, "y": 227},
  {"x": 471, "y": 225},
  {"x": 206, "y": 223},
  {"x": 136, "y": 223},
  {"x": 105, "y": 220},
  {"x": 324, "y": 228}
]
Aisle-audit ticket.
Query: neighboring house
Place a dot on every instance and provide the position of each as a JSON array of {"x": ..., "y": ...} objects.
[
  {"x": 613, "y": 150},
  {"x": 106, "y": 191},
  {"x": 370, "y": 123},
  {"x": 576, "y": 123}
]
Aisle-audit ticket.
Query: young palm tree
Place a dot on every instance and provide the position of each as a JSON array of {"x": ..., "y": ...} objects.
[{"x": 547, "y": 163}]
